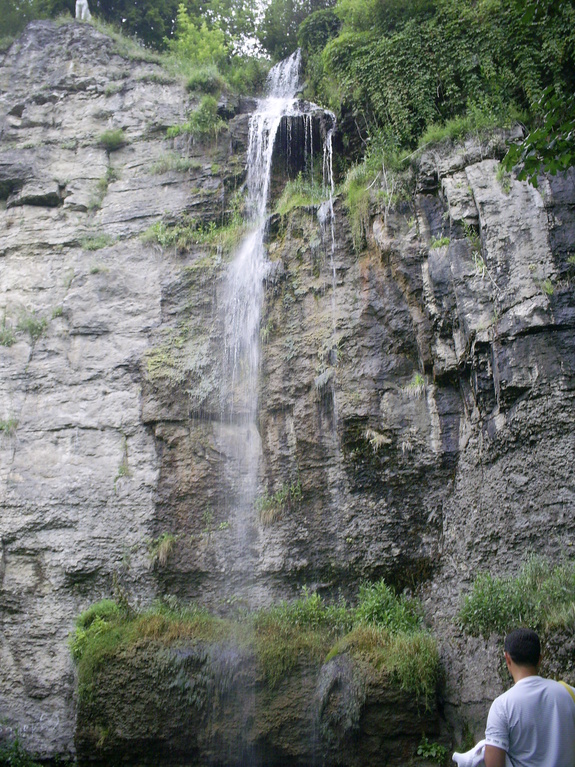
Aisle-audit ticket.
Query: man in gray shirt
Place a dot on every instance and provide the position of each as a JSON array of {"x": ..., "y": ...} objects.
[{"x": 534, "y": 721}]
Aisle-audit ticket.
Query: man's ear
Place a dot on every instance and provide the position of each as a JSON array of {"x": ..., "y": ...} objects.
[{"x": 507, "y": 659}]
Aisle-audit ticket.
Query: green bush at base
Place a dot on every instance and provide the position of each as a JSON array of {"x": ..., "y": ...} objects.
[{"x": 383, "y": 629}]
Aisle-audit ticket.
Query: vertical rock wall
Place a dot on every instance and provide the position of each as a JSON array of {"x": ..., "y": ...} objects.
[{"x": 416, "y": 394}]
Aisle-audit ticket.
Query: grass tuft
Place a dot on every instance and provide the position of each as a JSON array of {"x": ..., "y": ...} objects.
[
  {"x": 383, "y": 629},
  {"x": 541, "y": 596},
  {"x": 300, "y": 193},
  {"x": 32, "y": 324},
  {"x": 113, "y": 139}
]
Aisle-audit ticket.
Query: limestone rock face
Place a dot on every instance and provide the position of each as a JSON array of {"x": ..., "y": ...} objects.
[{"x": 416, "y": 395}]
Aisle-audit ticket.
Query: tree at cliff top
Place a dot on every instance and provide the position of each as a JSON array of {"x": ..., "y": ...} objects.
[
  {"x": 14, "y": 15},
  {"x": 150, "y": 21},
  {"x": 394, "y": 69},
  {"x": 278, "y": 31}
]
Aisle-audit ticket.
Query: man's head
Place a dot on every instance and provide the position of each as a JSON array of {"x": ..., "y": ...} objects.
[{"x": 523, "y": 647}]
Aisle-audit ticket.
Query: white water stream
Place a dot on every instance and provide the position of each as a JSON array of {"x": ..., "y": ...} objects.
[
  {"x": 243, "y": 300},
  {"x": 247, "y": 273}
]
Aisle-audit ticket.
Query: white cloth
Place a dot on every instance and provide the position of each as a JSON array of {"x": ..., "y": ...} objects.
[
  {"x": 474, "y": 757},
  {"x": 534, "y": 722}
]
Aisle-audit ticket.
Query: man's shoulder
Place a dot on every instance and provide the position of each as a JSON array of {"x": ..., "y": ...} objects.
[{"x": 530, "y": 684}]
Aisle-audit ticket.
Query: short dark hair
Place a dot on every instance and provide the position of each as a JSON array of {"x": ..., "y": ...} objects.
[{"x": 523, "y": 646}]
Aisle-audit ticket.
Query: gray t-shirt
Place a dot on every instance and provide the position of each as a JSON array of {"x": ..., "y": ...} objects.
[{"x": 534, "y": 722}]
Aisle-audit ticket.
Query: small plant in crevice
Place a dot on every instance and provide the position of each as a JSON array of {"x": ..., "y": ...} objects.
[
  {"x": 439, "y": 242},
  {"x": 33, "y": 324},
  {"x": 170, "y": 161},
  {"x": 503, "y": 179},
  {"x": 8, "y": 426},
  {"x": 433, "y": 751},
  {"x": 377, "y": 440},
  {"x": 113, "y": 139},
  {"x": 472, "y": 236},
  {"x": 416, "y": 387},
  {"x": 207, "y": 521},
  {"x": 161, "y": 548},
  {"x": 97, "y": 241},
  {"x": 123, "y": 469},
  {"x": 7, "y": 335},
  {"x": 473, "y": 239},
  {"x": 101, "y": 188},
  {"x": 547, "y": 286},
  {"x": 270, "y": 507}
]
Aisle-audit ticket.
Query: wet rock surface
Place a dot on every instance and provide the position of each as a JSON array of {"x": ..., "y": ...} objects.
[
  {"x": 416, "y": 396},
  {"x": 212, "y": 705}
]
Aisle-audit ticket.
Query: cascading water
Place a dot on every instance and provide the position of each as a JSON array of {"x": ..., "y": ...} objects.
[
  {"x": 247, "y": 272},
  {"x": 243, "y": 299},
  {"x": 243, "y": 303}
]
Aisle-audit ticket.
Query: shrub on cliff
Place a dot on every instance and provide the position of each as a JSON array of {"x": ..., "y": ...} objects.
[
  {"x": 378, "y": 604},
  {"x": 12, "y": 754},
  {"x": 384, "y": 630},
  {"x": 401, "y": 68},
  {"x": 541, "y": 597}
]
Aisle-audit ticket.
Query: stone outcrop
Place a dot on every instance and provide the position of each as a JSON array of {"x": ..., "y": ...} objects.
[
  {"x": 212, "y": 705},
  {"x": 416, "y": 394}
]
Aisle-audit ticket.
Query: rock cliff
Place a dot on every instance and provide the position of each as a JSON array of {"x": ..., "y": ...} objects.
[{"x": 416, "y": 391}]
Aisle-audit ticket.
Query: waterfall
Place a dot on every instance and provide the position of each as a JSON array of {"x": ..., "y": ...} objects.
[
  {"x": 243, "y": 303},
  {"x": 245, "y": 279},
  {"x": 239, "y": 440}
]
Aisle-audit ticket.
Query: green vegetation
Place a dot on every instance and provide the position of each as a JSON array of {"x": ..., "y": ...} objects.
[
  {"x": 7, "y": 336},
  {"x": 197, "y": 43},
  {"x": 12, "y": 754},
  {"x": 189, "y": 232},
  {"x": 271, "y": 507},
  {"x": 8, "y": 427},
  {"x": 439, "y": 242},
  {"x": 550, "y": 145},
  {"x": 32, "y": 324},
  {"x": 547, "y": 287},
  {"x": 206, "y": 79},
  {"x": 172, "y": 161},
  {"x": 112, "y": 139},
  {"x": 97, "y": 241},
  {"x": 203, "y": 123},
  {"x": 411, "y": 74},
  {"x": 300, "y": 193},
  {"x": 161, "y": 548},
  {"x": 383, "y": 629},
  {"x": 383, "y": 178},
  {"x": 435, "y": 752},
  {"x": 504, "y": 179},
  {"x": 357, "y": 200},
  {"x": 541, "y": 597}
]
